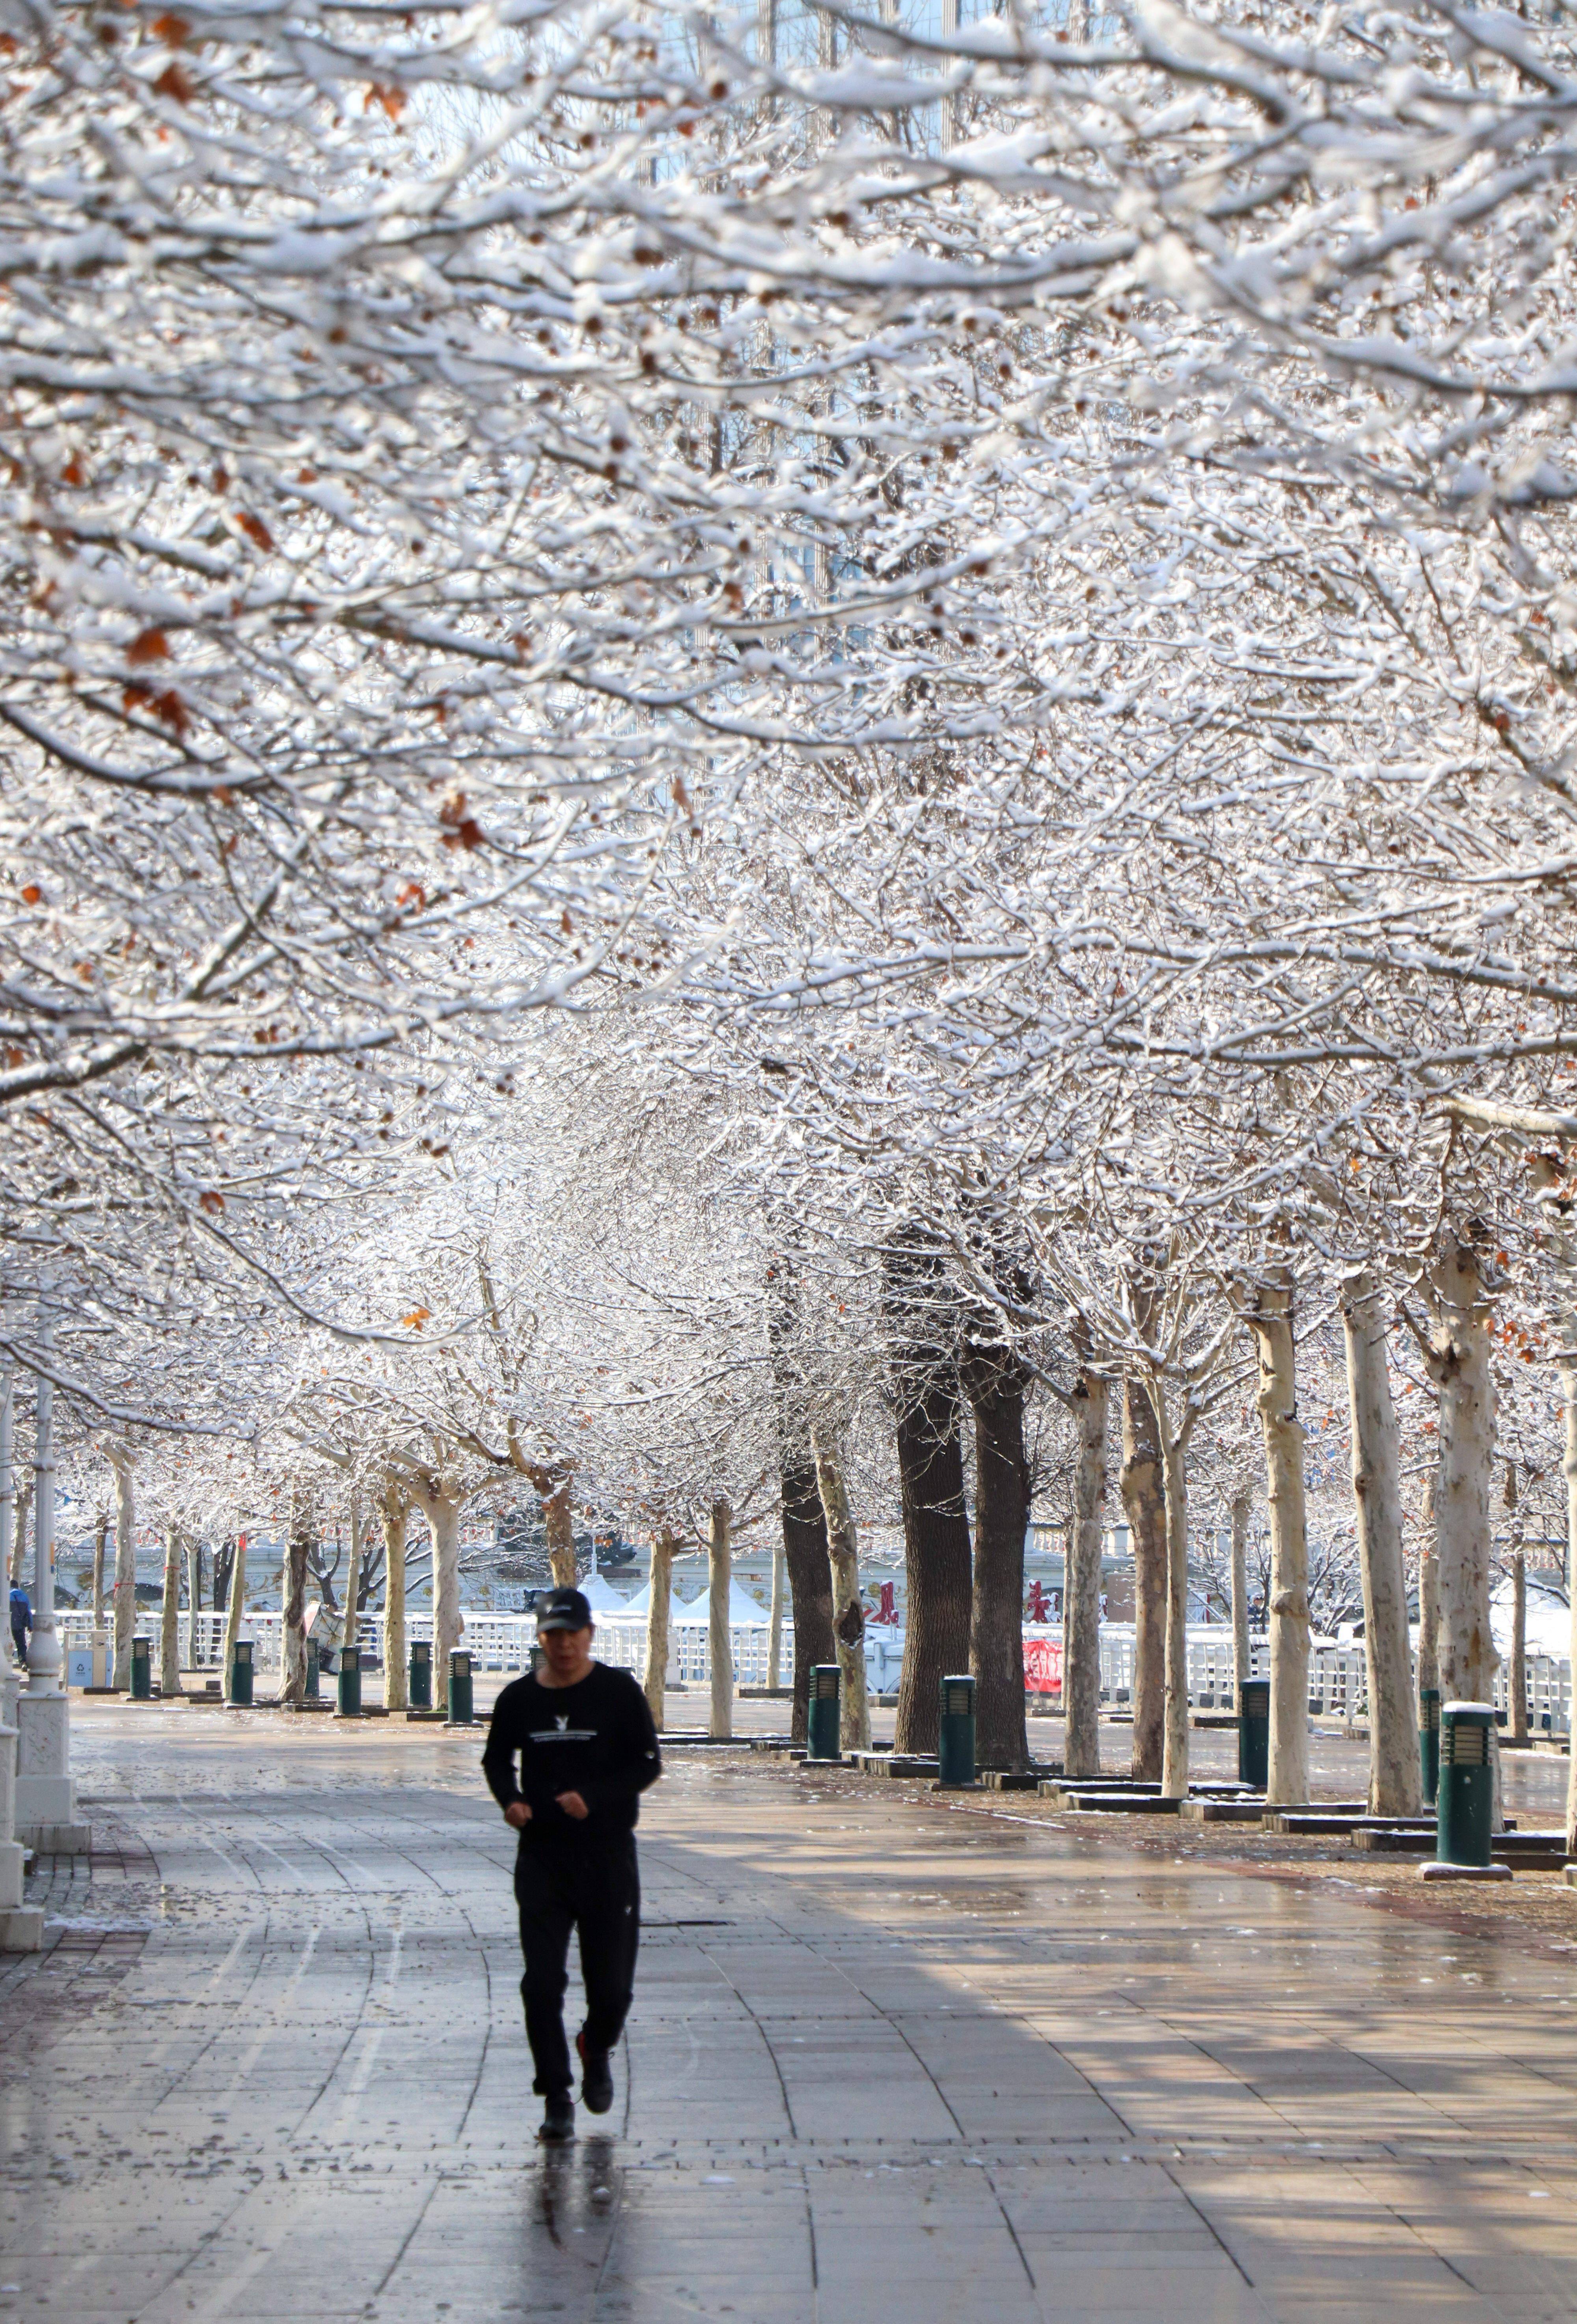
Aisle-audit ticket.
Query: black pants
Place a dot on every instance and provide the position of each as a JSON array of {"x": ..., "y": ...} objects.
[{"x": 598, "y": 1893}]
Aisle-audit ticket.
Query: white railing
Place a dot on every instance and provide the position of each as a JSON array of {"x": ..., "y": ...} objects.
[{"x": 1338, "y": 1676}]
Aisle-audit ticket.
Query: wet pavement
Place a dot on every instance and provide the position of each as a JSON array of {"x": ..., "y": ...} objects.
[{"x": 888, "y": 2059}]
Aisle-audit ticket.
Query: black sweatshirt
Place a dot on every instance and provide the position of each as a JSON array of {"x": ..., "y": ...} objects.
[{"x": 596, "y": 1738}]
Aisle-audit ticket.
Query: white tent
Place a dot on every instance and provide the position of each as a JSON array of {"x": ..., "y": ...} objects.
[
  {"x": 601, "y": 1597},
  {"x": 744, "y": 1612},
  {"x": 678, "y": 1611}
]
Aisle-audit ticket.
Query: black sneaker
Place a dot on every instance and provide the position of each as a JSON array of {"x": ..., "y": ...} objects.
[
  {"x": 558, "y": 2121},
  {"x": 596, "y": 2077}
]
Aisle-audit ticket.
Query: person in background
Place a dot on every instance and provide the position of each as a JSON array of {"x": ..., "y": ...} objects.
[
  {"x": 21, "y": 1619},
  {"x": 587, "y": 1748}
]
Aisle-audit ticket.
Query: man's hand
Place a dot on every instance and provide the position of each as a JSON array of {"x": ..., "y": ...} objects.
[
  {"x": 518, "y": 1814},
  {"x": 573, "y": 1806}
]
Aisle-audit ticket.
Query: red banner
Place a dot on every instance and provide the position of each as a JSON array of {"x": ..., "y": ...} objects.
[{"x": 1043, "y": 1665}]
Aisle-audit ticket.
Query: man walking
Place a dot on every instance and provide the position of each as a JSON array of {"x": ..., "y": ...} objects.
[{"x": 587, "y": 1749}]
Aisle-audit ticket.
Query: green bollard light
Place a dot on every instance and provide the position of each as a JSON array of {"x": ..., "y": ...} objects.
[
  {"x": 460, "y": 1711},
  {"x": 1465, "y": 1806},
  {"x": 142, "y": 1671},
  {"x": 1254, "y": 1733},
  {"x": 310, "y": 1687},
  {"x": 955, "y": 1736},
  {"x": 821, "y": 1733},
  {"x": 421, "y": 1675},
  {"x": 350, "y": 1682},
  {"x": 1429, "y": 1742},
  {"x": 241, "y": 1673}
]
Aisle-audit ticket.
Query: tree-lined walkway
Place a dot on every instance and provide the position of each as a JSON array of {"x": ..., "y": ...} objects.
[{"x": 885, "y": 2060}]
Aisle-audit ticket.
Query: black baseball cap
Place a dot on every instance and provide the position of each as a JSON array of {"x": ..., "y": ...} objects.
[{"x": 563, "y": 1610}]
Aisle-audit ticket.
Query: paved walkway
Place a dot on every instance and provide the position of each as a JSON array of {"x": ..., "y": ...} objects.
[{"x": 889, "y": 2060}]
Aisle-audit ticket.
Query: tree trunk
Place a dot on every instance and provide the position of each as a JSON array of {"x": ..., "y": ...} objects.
[
  {"x": 1395, "y": 1783},
  {"x": 8, "y": 1472},
  {"x": 1175, "y": 1660},
  {"x": 1568, "y": 1367},
  {"x": 922, "y": 1311},
  {"x": 393, "y": 1514},
  {"x": 805, "y": 1555},
  {"x": 19, "y": 1542},
  {"x": 223, "y": 1558},
  {"x": 100, "y": 1543},
  {"x": 124, "y": 1598},
  {"x": 1517, "y": 1685},
  {"x": 558, "y": 1519},
  {"x": 719, "y": 1574},
  {"x": 1144, "y": 1504},
  {"x": 1460, "y": 1366},
  {"x": 775, "y": 1624},
  {"x": 996, "y": 1384},
  {"x": 293, "y": 1601},
  {"x": 805, "y": 1542},
  {"x": 937, "y": 1559},
  {"x": 659, "y": 1602},
  {"x": 1428, "y": 1593},
  {"x": 236, "y": 1611},
  {"x": 169, "y": 1615},
  {"x": 352, "y": 1576},
  {"x": 194, "y": 1601},
  {"x": 1242, "y": 1652},
  {"x": 441, "y": 1508},
  {"x": 1080, "y": 1659},
  {"x": 848, "y": 1613},
  {"x": 1271, "y": 1323}
]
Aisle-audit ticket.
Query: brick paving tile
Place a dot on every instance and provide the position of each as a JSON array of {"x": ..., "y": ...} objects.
[{"x": 890, "y": 2062}]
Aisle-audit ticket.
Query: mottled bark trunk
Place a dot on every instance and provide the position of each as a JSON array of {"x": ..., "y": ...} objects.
[
  {"x": 19, "y": 1540},
  {"x": 1271, "y": 1323},
  {"x": 353, "y": 1575},
  {"x": 1242, "y": 1651},
  {"x": 169, "y": 1615},
  {"x": 1458, "y": 1363},
  {"x": 236, "y": 1613},
  {"x": 659, "y": 1599},
  {"x": 1395, "y": 1784},
  {"x": 996, "y": 1386},
  {"x": 442, "y": 1512},
  {"x": 194, "y": 1601},
  {"x": 100, "y": 1543},
  {"x": 1428, "y": 1593},
  {"x": 805, "y": 1554},
  {"x": 1144, "y": 1504},
  {"x": 558, "y": 1521},
  {"x": 1569, "y": 1471},
  {"x": 8, "y": 1473},
  {"x": 123, "y": 1597},
  {"x": 1175, "y": 1661},
  {"x": 1080, "y": 1659},
  {"x": 848, "y": 1613},
  {"x": 1516, "y": 1684},
  {"x": 293, "y": 1597},
  {"x": 720, "y": 1576},
  {"x": 394, "y": 1516},
  {"x": 775, "y": 1623}
]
